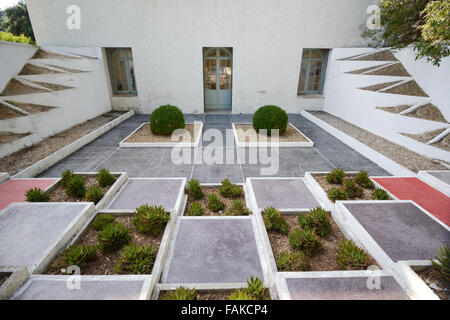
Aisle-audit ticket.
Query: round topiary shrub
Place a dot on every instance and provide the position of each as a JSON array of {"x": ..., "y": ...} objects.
[
  {"x": 270, "y": 118},
  {"x": 166, "y": 119}
]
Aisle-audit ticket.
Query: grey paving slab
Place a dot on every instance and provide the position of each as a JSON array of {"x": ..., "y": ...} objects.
[
  {"x": 402, "y": 230},
  {"x": 159, "y": 192},
  {"x": 27, "y": 231},
  {"x": 444, "y": 176},
  {"x": 214, "y": 173},
  {"x": 283, "y": 194},
  {"x": 214, "y": 250},
  {"x": 348, "y": 288},
  {"x": 89, "y": 290},
  {"x": 217, "y": 119}
]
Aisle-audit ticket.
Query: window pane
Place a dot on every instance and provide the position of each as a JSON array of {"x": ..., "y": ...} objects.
[
  {"x": 133, "y": 80},
  {"x": 223, "y": 53},
  {"x": 123, "y": 72},
  {"x": 315, "y": 54},
  {"x": 211, "y": 53},
  {"x": 301, "y": 83},
  {"x": 305, "y": 53}
]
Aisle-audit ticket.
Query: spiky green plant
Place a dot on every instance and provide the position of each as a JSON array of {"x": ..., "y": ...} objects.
[
  {"x": 304, "y": 240},
  {"x": 181, "y": 293},
  {"x": 362, "y": 178},
  {"x": 380, "y": 194},
  {"x": 293, "y": 261},
  {"x": 351, "y": 257},
  {"x": 238, "y": 208},
  {"x": 316, "y": 219},
  {"x": 255, "y": 287},
  {"x": 353, "y": 190},
  {"x": 65, "y": 177},
  {"x": 94, "y": 194},
  {"x": 136, "y": 259},
  {"x": 230, "y": 190},
  {"x": 76, "y": 187},
  {"x": 214, "y": 204},
  {"x": 151, "y": 219},
  {"x": 194, "y": 190},
  {"x": 37, "y": 195},
  {"x": 102, "y": 220},
  {"x": 105, "y": 178},
  {"x": 336, "y": 176},
  {"x": 196, "y": 209},
  {"x": 79, "y": 255},
  {"x": 337, "y": 194},
  {"x": 241, "y": 295},
  {"x": 443, "y": 263},
  {"x": 113, "y": 236},
  {"x": 274, "y": 221}
]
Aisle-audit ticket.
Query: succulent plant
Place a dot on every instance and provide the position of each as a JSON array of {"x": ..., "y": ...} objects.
[
  {"x": 105, "y": 178},
  {"x": 274, "y": 221},
  {"x": 362, "y": 178},
  {"x": 196, "y": 209},
  {"x": 37, "y": 195},
  {"x": 229, "y": 190},
  {"x": 238, "y": 208},
  {"x": 113, "y": 236},
  {"x": 351, "y": 257},
  {"x": 318, "y": 220},
  {"x": 76, "y": 187},
  {"x": 79, "y": 255},
  {"x": 94, "y": 194},
  {"x": 443, "y": 263},
  {"x": 353, "y": 190},
  {"x": 136, "y": 259},
  {"x": 214, "y": 204},
  {"x": 194, "y": 190},
  {"x": 336, "y": 176},
  {"x": 293, "y": 261},
  {"x": 380, "y": 194},
  {"x": 181, "y": 293},
  {"x": 337, "y": 194},
  {"x": 304, "y": 240},
  {"x": 102, "y": 220},
  {"x": 151, "y": 219}
]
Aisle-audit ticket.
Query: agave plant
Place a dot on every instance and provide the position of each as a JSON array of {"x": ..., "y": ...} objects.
[
  {"x": 181, "y": 293},
  {"x": 443, "y": 263}
]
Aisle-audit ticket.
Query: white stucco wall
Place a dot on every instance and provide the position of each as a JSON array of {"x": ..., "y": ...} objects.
[
  {"x": 11, "y": 67},
  {"x": 167, "y": 37}
]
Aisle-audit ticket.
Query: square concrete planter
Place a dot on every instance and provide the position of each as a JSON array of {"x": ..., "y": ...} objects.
[
  {"x": 286, "y": 144},
  {"x": 199, "y": 287},
  {"x": 414, "y": 285},
  {"x": 196, "y": 143},
  {"x": 15, "y": 280}
]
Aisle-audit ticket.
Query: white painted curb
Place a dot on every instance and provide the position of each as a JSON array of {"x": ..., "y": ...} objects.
[{"x": 435, "y": 182}]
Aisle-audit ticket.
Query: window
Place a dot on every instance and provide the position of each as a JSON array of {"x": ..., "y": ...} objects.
[
  {"x": 312, "y": 71},
  {"x": 121, "y": 70}
]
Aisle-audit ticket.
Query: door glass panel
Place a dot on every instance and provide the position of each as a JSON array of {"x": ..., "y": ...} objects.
[
  {"x": 211, "y": 53},
  {"x": 315, "y": 54},
  {"x": 223, "y": 53},
  {"x": 123, "y": 72},
  {"x": 210, "y": 74},
  {"x": 116, "y": 74}
]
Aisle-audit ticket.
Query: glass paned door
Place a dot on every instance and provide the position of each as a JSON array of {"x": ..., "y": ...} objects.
[{"x": 217, "y": 78}]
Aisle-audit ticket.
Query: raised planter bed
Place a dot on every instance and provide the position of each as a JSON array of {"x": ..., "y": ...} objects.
[
  {"x": 430, "y": 276},
  {"x": 291, "y": 138},
  {"x": 143, "y": 137},
  {"x": 10, "y": 282}
]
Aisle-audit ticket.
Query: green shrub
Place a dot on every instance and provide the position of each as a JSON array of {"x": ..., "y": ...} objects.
[
  {"x": 196, "y": 209},
  {"x": 353, "y": 190},
  {"x": 76, "y": 187},
  {"x": 151, "y": 219},
  {"x": 255, "y": 287},
  {"x": 318, "y": 220},
  {"x": 136, "y": 259},
  {"x": 79, "y": 255},
  {"x": 350, "y": 256},
  {"x": 230, "y": 190},
  {"x": 443, "y": 263},
  {"x": 238, "y": 208},
  {"x": 8, "y": 36},
  {"x": 337, "y": 194},
  {"x": 37, "y": 195},
  {"x": 295, "y": 261},
  {"x": 304, "y": 240},
  {"x": 113, "y": 236},
  {"x": 380, "y": 194},
  {"x": 105, "y": 178},
  {"x": 94, "y": 194},
  {"x": 274, "y": 221},
  {"x": 194, "y": 190},
  {"x": 166, "y": 119},
  {"x": 336, "y": 176},
  {"x": 241, "y": 295},
  {"x": 65, "y": 177},
  {"x": 102, "y": 220},
  {"x": 270, "y": 118},
  {"x": 362, "y": 178},
  {"x": 214, "y": 204},
  {"x": 181, "y": 293}
]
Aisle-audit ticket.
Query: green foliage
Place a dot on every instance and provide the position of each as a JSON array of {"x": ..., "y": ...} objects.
[
  {"x": 380, "y": 194},
  {"x": 274, "y": 221},
  {"x": 79, "y": 255},
  {"x": 136, "y": 259},
  {"x": 214, "y": 204},
  {"x": 18, "y": 22},
  {"x": 194, "y": 190},
  {"x": 336, "y": 176},
  {"x": 238, "y": 208},
  {"x": 353, "y": 190},
  {"x": 295, "y": 261},
  {"x": 166, "y": 119},
  {"x": 241, "y": 295},
  {"x": 196, "y": 209},
  {"x": 304, "y": 240},
  {"x": 65, "y": 177},
  {"x": 105, "y": 178},
  {"x": 422, "y": 23},
  {"x": 255, "y": 287},
  {"x": 351, "y": 257},
  {"x": 151, "y": 219},
  {"x": 318, "y": 220},
  {"x": 443, "y": 263},
  {"x": 113, "y": 236},
  {"x": 270, "y": 118},
  {"x": 362, "y": 178},
  {"x": 37, "y": 195},
  {"x": 76, "y": 187},
  {"x": 94, "y": 194},
  {"x": 337, "y": 194},
  {"x": 181, "y": 293},
  {"x": 230, "y": 190},
  {"x": 102, "y": 220}
]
